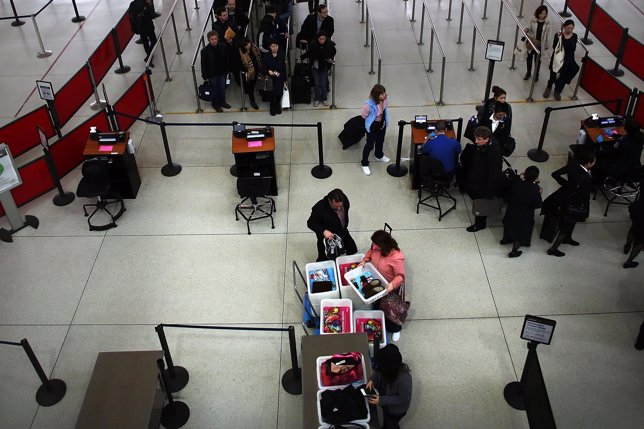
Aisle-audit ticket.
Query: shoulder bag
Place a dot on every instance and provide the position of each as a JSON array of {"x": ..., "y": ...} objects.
[
  {"x": 575, "y": 211},
  {"x": 264, "y": 82},
  {"x": 558, "y": 56},
  {"x": 395, "y": 307}
]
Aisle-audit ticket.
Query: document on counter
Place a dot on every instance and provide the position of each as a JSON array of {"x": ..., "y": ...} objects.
[
  {"x": 255, "y": 143},
  {"x": 105, "y": 148}
]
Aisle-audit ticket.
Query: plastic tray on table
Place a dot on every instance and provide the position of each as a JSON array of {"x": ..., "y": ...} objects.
[
  {"x": 370, "y": 272},
  {"x": 346, "y": 291},
  {"x": 362, "y": 316},
  {"x": 336, "y": 316},
  {"x": 326, "y": 425},
  {"x": 318, "y": 367},
  {"x": 311, "y": 270}
]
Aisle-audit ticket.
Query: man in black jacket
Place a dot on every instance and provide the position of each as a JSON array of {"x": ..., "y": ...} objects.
[
  {"x": 271, "y": 28},
  {"x": 141, "y": 14},
  {"x": 330, "y": 216},
  {"x": 314, "y": 23},
  {"x": 214, "y": 67},
  {"x": 484, "y": 165}
]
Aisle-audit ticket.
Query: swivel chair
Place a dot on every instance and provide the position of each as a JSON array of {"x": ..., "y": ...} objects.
[
  {"x": 622, "y": 190},
  {"x": 436, "y": 182},
  {"x": 255, "y": 203},
  {"x": 96, "y": 183}
]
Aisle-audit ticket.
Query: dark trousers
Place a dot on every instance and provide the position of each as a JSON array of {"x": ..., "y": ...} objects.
[
  {"x": 557, "y": 81},
  {"x": 391, "y": 421},
  {"x": 377, "y": 139},
  {"x": 149, "y": 40},
  {"x": 532, "y": 55},
  {"x": 349, "y": 246},
  {"x": 218, "y": 83},
  {"x": 249, "y": 88}
]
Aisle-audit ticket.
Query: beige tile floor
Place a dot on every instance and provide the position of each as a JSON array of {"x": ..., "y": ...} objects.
[{"x": 178, "y": 256}]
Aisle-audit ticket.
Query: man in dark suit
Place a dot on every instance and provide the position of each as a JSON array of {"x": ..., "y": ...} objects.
[
  {"x": 576, "y": 198},
  {"x": 330, "y": 216},
  {"x": 214, "y": 67},
  {"x": 483, "y": 166},
  {"x": 314, "y": 23}
]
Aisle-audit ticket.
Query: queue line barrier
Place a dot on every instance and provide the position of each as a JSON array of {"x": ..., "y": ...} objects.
[
  {"x": 68, "y": 151},
  {"x": 602, "y": 85},
  {"x": 21, "y": 134}
]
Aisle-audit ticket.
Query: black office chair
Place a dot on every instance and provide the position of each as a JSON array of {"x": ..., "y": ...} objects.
[
  {"x": 95, "y": 183},
  {"x": 623, "y": 191},
  {"x": 255, "y": 203},
  {"x": 435, "y": 181}
]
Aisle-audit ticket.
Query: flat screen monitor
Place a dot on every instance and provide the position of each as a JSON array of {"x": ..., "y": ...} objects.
[
  {"x": 537, "y": 329},
  {"x": 420, "y": 119}
]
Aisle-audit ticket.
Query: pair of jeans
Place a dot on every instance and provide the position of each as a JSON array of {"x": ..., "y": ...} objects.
[
  {"x": 320, "y": 83},
  {"x": 218, "y": 83},
  {"x": 377, "y": 139},
  {"x": 149, "y": 40}
]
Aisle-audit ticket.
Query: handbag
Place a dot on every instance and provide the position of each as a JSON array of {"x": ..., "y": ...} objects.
[
  {"x": 521, "y": 50},
  {"x": 206, "y": 92},
  {"x": 395, "y": 307},
  {"x": 286, "y": 98},
  {"x": 558, "y": 56},
  {"x": 472, "y": 123},
  {"x": 264, "y": 82},
  {"x": 484, "y": 207},
  {"x": 575, "y": 211},
  {"x": 341, "y": 369}
]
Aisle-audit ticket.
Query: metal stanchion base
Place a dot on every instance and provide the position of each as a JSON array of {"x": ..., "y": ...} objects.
[
  {"x": 396, "y": 170},
  {"x": 52, "y": 395},
  {"x": 292, "y": 381},
  {"x": 64, "y": 199},
  {"x": 6, "y": 234},
  {"x": 321, "y": 171},
  {"x": 174, "y": 415},
  {"x": 587, "y": 41},
  {"x": 98, "y": 105},
  {"x": 565, "y": 14},
  {"x": 78, "y": 18},
  {"x": 17, "y": 23},
  {"x": 513, "y": 394},
  {"x": 233, "y": 170},
  {"x": 538, "y": 155},
  {"x": 616, "y": 72},
  {"x": 122, "y": 70},
  {"x": 179, "y": 381},
  {"x": 44, "y": 54},
  {"x": 170, "y": 170}
]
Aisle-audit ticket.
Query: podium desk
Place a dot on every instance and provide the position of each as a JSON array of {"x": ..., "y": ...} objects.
[
  {"x": 314, "y": 346},
  {"x": 121, "y": 164},
  {"x": 124, "y": 392},
  {"x": 594, "y": 131},
  {"x": 256, "y": 158},
  {"x": 418, "y": 136}
]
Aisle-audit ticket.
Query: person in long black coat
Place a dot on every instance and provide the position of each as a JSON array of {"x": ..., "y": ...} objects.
[
  {"x": 275, "y": 67},
  {"x": 483, "y": 171},
  {"x": 523, "y": 198},
  {"x": 576, "y": 195},
  {"x": 330, "y": 216},
  {"x": 635, "y": 237}
]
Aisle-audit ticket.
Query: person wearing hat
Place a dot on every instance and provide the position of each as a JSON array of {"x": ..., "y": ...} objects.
[{"x": 392, "y": 379}]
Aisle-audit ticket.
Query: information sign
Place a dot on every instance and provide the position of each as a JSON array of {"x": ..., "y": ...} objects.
[
  {"x": 494, "y": 50},
  {"x": 9, "y": 177},
  {"x": 537, "y": 329},
  {"x": 45, "y": 90}
]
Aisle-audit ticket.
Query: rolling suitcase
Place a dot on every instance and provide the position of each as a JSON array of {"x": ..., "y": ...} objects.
[
  {"x": 353, "y": 132},
  {"x": 300, "y": 89}
]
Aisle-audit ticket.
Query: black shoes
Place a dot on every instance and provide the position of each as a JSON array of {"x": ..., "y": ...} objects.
[
  {"x": 156, "y": 15},
  {"x": 225, "y": 105},
  {"x": 555, "y": 252},
  {"x": 474, "y": 228},
  {"x": 254, "y": 105},
  {"x": 571, "y": 242},
  {"x": 505, "y": 241},
  {"x": 527, "y": 76},
  {"x": 515, "y": 254},
  {"x": 139, "y": 41},
  {"x": 631, "y": 264},
  {"x": 219, "y": 109}
]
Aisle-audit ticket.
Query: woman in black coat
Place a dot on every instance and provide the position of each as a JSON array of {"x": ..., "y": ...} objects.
[
  {"x": 575, "y": 200},
  {"x": 275, "y": 67},
  {"x": 635, "y": 237},
  {"x": 523, "y": 198},
  {"x": 569, "y": 69},
  {"x": 321, "y": 55}
]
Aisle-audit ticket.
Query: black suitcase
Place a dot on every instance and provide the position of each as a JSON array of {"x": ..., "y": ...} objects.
[
  {"x": 300, "y": 90},
  {"x": 549, "y": 228},
  {"x": 353, "y": 132}
]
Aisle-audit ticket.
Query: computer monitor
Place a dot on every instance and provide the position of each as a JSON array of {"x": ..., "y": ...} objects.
[{"x": 420, "y": 119}]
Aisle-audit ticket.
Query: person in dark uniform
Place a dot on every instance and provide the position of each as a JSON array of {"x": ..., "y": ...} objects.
[
  {"x": 330, "y": 216},
  {"x": 635, "y": 237},
  {"x": 523, "y": 198},
  {"x": 575, "y": 199}
]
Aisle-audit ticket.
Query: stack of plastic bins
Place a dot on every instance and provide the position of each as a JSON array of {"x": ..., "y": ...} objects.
[
  {"x": 326, "y": 425},
  {"x": 316, "y": 298},
  {"x": 354, "y": 274},
  {"x": 358, "y": 425},
  {"x": 336, "y": 316},
  {"x": 346, "y": 291},
  {"x": 362, "y": 316}
]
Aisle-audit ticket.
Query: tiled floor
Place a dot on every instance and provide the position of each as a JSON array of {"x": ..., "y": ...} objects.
[{"x": 178, "y": 256}]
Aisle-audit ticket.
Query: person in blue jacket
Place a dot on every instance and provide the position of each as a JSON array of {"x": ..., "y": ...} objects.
[
  {"x": 376, "y": 119},
  {"x": 443, "y": 148}
]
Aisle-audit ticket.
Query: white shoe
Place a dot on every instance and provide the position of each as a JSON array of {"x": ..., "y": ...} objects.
[
  {"x": 316, "y": 103},
  {"x": 383, "y": 159},
  {"x": 366, "y": 170},
  {"x": 395, "y": 336}
]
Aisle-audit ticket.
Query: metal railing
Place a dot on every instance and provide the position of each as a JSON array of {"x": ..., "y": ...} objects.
[
  {"x": 374, "y": 43},
  {"x": 475, "y": 30},
  {"x": 434, "y": 36},
  {"x": 579, "y": 42},
  {"x": 159, "y": 42},
  {"x": 43, "y": 53}
]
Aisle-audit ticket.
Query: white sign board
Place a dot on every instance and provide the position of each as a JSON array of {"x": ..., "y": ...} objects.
[
  {"x": 537, "y": 329},
  {"x": 43, "y": 138},
  {"x": 45, "y": 90},
  {"x": 9, "y": 177},
  {"x": 494, "y": 50}
]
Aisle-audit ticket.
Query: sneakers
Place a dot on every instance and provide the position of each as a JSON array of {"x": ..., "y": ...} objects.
[
  {"x": 395, "y": 336},
  {"x": 316, "y": 103},
  {"x": 366, "y": 170},
  {"x": 324, "y": 103},
  {"x": 383, "y": 159},
  {"x": 546, "y": 92}
]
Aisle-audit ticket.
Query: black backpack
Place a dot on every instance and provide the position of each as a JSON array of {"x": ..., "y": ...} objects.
[{"x": 135, "y": 14}]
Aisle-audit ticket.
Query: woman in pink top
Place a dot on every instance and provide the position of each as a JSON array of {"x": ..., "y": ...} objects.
[
  {"x": 375, "y": 113},
  {"x": 389, "y": 260}
]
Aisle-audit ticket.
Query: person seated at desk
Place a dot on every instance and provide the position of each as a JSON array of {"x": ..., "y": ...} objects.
[
  {"x": 438, "y": 146},
  {"x": 621, "y": 157}
]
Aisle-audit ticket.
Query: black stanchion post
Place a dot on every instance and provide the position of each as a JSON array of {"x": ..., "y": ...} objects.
[
  {"x": 117, "y": 47},
  {"x": 177, "y": 375},
  {"x": 292, "y": 378},
  {"x": 565, "y": 12},
  {"x": 77, "y": 18},
  {"x": 488, "y": 80},
  {"x": 111, "y": 117},
  {"x": 54, "y": 117},
  {"x": 51, "y": 391},
  {"x": 538, "y": 154},
  {"x": 63, "y": 198},
  {"x": 513, "y": 392},
  {"x": 321, "y": 171},
  {"x": 589, "y": 23},
  {"x": 170, "y": 169},
  {"x": 17, "y": 22},
  {"x": 459, "y": 132},
  {"x": 397, "y": 170},
  {"x": 620, "y": 54},
  {"x": 176, "y": 413}
]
